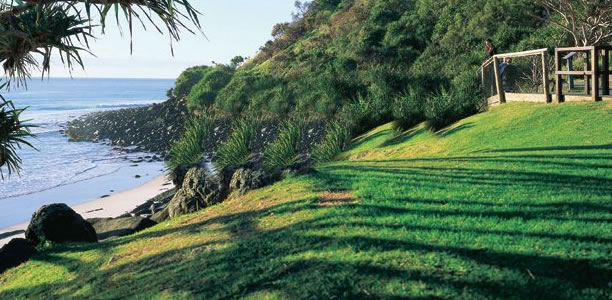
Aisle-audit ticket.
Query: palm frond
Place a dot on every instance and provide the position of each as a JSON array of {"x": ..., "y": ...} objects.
[{"x": 13, "y": 134}]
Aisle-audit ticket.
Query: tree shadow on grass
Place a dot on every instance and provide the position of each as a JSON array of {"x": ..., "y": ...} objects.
[
  {"x": 276, "y": 260},
  {"x": 452, "y": 130},
  {"x": 325, "y": 252},
  {"x": 440, "y": 177},
  {"x": 553, "y": 148},
  {"x": 366, "y": 139},
  {"x": 520, "y": 159},
  {"x": 402, "y": 137},
  {"x": 285, "y": 260}
]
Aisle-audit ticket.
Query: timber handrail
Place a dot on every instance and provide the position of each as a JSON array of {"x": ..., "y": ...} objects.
[
  {"x": 523, "y": 53},
  {"x": 582, "y": 49},
  {"x": 513, "y": 54},
  {"x": 574, "y": 73}
]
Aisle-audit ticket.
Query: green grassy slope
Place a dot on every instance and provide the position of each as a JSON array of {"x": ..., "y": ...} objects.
[{"x": 511, "y": 203}]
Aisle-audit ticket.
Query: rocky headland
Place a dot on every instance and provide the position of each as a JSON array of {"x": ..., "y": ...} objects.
[{"x": 151, "y": 128}]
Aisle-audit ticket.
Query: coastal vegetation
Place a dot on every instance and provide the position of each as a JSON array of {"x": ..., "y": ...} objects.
[
  {"x": 187, "y": 151},
  {"x": 354, "y": 158},
  {"x": 503, "y": 204},
  {"x": 284, "y": 151},
  {"x": 358, "y": 64},
  {"x": 238, "y": 148}
]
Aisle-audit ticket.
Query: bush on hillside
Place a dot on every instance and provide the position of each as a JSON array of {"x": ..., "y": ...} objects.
[
  {"x": 250, "y": 90},
  {"x": 203, "y": 93},
  {"x": 188, "y": 79},
  {"x": 408, "y": 109},
  {"x": 448, "y": 106}
]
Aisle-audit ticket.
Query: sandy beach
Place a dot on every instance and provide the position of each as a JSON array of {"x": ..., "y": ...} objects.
[{"x": 112, "y": 206}]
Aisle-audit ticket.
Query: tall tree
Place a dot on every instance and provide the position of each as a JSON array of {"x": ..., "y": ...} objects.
[
  {"x": 589, "y": 22},
  {"x": 31, "y": 30}
]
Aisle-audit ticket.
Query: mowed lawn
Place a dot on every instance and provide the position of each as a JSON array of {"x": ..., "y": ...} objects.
[{"x": 511, "y": 203}]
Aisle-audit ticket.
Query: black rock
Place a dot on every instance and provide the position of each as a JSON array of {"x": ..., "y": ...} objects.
[
  {"x": 199, "y": 190},
  {"x": 59, "y": 223},
  {"x": 16, "y": 252}
]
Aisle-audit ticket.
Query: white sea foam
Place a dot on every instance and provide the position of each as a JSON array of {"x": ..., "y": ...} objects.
[{"x": 57, "y": 162}]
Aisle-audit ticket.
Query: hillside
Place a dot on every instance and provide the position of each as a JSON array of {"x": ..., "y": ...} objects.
[
  {"x": 510, "y": 203},
  {"x": 338, "y": 52}
]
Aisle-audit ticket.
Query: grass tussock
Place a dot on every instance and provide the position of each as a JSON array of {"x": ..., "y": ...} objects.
[
  {"x": 188, "y": 151},
  {"x": 284, "y": 150},
  {"x": 237, "y": 149},
  {"x": 337, "y": 139}
]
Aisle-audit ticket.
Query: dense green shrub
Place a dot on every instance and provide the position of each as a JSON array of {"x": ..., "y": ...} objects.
[
  {"x": 237, "y": 149},
  {"x": 408, "y": 109},
  {"x": 284, "y": 150},
  {"x": 188, "y": 79},
  {"x": 448, "y": 106},
  {"x": 440, "y": 109},
  {"x": 337, "y": 139},
  {"x": 252, "y": 90},
  {"x": 203, "y": 93},
  {"x": 187, "y": 151}
]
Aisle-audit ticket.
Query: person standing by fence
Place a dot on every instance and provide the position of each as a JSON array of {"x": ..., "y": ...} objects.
[{"x": 491, "y": 51}]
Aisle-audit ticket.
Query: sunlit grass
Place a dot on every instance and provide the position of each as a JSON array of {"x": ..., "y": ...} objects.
[{"x": 511, "y": 203}]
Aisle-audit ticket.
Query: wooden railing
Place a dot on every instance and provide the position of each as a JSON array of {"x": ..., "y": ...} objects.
[{"x": 593, "y": 74}]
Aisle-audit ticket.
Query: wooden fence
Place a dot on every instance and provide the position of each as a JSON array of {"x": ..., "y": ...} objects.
[{"x": 596, "y": 76}]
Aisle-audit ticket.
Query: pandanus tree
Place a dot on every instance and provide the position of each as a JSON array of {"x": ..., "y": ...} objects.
[{"x": 34, "y": 31}]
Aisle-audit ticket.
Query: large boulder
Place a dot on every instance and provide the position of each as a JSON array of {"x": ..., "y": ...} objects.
[
  {"x": 59, "y": 223},
  {"x": 112, "y": 227},
  {"x": 16, "y": 252},
  {"x": 199, "y": 190},
  {"x": 247, "y": 179}
]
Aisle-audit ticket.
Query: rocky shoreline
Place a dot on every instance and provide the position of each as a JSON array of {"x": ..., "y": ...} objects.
[{"x": 152, "y": 128}]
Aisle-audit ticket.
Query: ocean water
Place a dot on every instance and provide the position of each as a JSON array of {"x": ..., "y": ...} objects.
[{"x": 57, "y": 163}]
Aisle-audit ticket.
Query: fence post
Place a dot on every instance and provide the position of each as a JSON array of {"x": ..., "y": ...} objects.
[
  {"x": 482, "y": 75},
  {"x": 498, "y": 82},
  {"x": 558, "y": 82},
  {"x": 595, "y": 74},
  {"x": 545, "y": 78},
  {"x": 605, "y": 82}
]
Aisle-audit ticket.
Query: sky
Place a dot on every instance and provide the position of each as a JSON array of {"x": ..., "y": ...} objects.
[{"x": 231, "y": 27}]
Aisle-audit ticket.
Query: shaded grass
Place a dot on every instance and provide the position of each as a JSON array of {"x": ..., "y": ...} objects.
[{"x": 520, "y": 212}]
